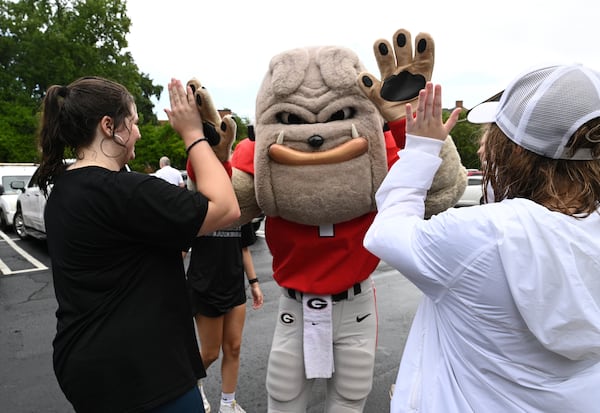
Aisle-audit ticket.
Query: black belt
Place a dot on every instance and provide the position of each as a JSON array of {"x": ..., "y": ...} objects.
[{"x": 296, "y": 295}]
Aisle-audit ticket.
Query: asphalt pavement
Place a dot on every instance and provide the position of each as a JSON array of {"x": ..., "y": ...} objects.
[{"x": 27, "y": 327}]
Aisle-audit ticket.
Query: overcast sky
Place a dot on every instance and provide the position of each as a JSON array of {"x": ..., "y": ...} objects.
[{"x": 479, "y": 45}]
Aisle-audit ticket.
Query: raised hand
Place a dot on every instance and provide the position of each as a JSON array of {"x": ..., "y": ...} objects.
[
  {"x": 428, "y": 119},
  {"x": 183, "y": 115},
  {"x": 403, "y": 74}
]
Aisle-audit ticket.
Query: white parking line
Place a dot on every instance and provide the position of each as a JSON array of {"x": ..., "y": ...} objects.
[{"x": 6, "y": 270}]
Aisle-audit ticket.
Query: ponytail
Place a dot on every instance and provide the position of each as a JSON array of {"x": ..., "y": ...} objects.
[{"x": 51, "y": 142}]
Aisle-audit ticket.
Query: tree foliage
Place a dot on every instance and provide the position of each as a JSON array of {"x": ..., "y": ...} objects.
[
  {"x": 466, "y": 138},
  {"x": 18, "y": 129},
  {"x": 47, "y": 42}
]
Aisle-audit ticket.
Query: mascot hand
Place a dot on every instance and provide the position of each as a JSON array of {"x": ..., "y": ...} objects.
[
  {"x": 227, "y": 131},
  {"x": 219, "y": 132},
  {"x": 403, "y": 75}
]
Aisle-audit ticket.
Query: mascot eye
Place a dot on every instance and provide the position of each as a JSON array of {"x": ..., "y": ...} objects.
[
  {"x": 290, "y": 119},
  {"x": 346, "y": 113}
]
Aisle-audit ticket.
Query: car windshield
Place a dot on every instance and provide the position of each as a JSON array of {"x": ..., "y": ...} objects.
[{"x": 8, "y": 179}]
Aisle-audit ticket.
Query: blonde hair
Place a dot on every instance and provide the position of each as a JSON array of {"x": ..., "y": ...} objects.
[{"x": 571, "y": 187}]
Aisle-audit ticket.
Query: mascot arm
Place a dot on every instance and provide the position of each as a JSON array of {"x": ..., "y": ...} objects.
[
  {"x": 243, "y": 184},
  {"x": 221, "y": 132}
]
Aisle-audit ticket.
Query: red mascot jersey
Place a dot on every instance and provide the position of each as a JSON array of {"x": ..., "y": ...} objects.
[{"x": 313, "y": 259}]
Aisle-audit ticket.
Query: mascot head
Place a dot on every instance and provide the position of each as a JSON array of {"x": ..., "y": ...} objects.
[{"x": 320, "y": 153}]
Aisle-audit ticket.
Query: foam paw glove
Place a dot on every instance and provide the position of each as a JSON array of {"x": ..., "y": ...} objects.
[
  {"x": 219, "y": 132},
  {"x": 403, "y": 74}
]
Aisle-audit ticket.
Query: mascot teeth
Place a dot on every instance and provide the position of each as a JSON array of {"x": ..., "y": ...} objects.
[{"x": 280, "y": 138}]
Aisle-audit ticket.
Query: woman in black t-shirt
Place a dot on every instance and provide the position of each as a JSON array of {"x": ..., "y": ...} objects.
[{"x": 124, "y": 340}]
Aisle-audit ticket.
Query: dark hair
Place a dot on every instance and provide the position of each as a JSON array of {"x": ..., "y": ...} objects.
[
  {"x": 70, "y": 116},
  {"x": 568, "y": 186}
]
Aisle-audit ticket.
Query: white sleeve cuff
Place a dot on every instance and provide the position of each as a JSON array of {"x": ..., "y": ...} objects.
[{"x": 423, "y": 144}]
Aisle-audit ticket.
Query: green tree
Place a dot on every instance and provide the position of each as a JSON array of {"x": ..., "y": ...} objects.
[
  {"x": 242, "y": 128},
  {"x": 46, "y": 42},
  {"x": 17, "y": 134},
  {"x": 466, "y": 138}
]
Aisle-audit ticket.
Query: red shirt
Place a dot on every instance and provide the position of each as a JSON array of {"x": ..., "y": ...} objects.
[{"x": 319, "y": 260}]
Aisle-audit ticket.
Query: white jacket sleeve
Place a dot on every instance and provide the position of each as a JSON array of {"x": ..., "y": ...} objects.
[{"x": 401, "y": 203}]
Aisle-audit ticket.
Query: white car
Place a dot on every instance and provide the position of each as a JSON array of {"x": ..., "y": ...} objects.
[
  {"x": 473, "y": 194},
  {"x": 13, "y": 176},
  {"x": 29, "y": 216}
]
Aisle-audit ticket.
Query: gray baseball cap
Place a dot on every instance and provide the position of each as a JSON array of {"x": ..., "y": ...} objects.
[{"x": 542, "y": 108}]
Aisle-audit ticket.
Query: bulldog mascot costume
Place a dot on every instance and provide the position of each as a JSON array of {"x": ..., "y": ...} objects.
[{"x": 326, "y": 133}]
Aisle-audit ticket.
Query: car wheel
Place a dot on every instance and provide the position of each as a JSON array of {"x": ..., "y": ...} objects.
[
  {"x": 19, "y": 225},
  {"x": 3, "y": 223}
]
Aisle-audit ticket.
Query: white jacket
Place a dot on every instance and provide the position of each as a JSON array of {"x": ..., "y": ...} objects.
[{"x": 510, "y": 318}]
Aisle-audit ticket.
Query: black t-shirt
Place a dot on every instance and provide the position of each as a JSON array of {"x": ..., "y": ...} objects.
[
  {"x": 216, "y": 270},
  {"x": 125, "y": 340}
]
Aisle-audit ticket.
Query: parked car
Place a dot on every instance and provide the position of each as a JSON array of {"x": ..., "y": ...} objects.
[
  {"x": 473, "y": 194},
  {"x": 13, "y": 176},
  {"x": 28, "y": 219}
]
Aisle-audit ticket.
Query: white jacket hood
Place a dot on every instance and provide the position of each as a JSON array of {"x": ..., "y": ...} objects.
[{"x": 555, "y": 292}]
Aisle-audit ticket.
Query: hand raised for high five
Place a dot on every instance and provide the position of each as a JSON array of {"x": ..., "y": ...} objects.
[
  {"x": 427, "y": 121},
  {"x": 402, "y": 74},
  {"x": 183, "y": 115}
]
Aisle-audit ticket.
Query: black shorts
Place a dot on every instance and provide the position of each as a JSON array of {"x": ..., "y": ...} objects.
[
  {"x": 209, "y": 307},
  {"x": 215, "y": 273}
]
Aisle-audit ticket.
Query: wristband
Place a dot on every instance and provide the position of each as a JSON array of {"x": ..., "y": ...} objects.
[
  {"x": 253, "y": 281},
  {"x": 197, "y": 141}
]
